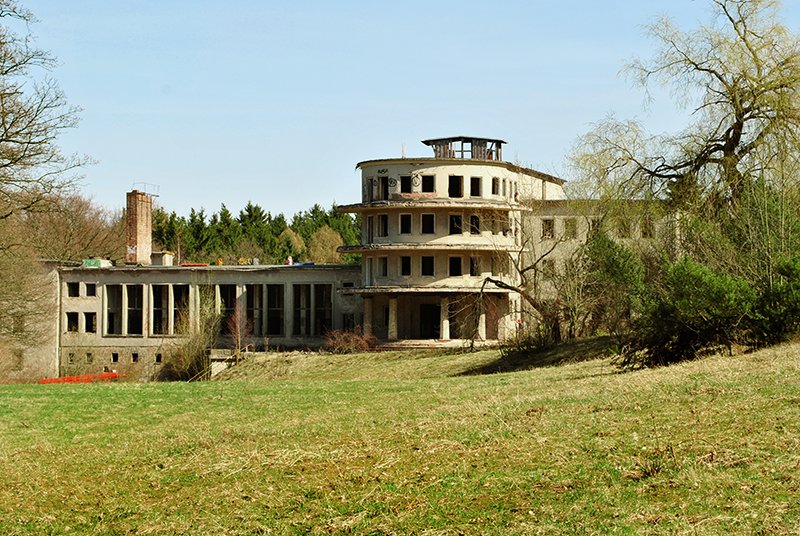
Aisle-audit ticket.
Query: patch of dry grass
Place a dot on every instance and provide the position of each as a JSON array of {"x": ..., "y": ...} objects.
[{"x": 704, "y": 448}]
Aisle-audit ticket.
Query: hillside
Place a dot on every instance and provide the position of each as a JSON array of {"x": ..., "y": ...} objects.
[{"x": 707, "y": 447}]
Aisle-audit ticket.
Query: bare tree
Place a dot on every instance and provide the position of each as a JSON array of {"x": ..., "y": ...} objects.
[{"x": 33, "y": 113}]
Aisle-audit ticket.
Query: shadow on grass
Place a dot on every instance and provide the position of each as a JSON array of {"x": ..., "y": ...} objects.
[{"x": 573, "y": 351}]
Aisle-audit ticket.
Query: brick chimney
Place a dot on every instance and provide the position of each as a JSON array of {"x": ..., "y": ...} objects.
[{"x": 139, "y": 228}]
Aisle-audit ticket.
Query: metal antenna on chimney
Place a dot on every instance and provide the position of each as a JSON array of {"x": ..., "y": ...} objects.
[{"x": 150, "y": 189}]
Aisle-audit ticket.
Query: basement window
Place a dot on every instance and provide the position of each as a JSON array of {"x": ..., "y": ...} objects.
[
  {"x": 158, "y": 358},
  {"x": 134, "y": 357},
  {"x": 114, "y": 357}
]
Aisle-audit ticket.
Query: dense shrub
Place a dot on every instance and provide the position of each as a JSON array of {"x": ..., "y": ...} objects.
[
  {"x": 695, "y": 310},
  {"x": 349, "y": 341}
]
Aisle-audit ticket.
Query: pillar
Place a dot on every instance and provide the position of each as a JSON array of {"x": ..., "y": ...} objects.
[
  {"x": 392, "y": 318},
  {"x": 481, "y": 321},
  {"x": 368, "y": 315},
  {"x": 444, "y": 331}
]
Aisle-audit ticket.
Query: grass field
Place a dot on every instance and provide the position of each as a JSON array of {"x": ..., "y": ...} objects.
[{"x": 411, "y": 443}]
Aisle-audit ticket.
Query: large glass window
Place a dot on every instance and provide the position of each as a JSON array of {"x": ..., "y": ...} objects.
[
  {"x": 227, "y": 295},
  {"x": 114, "y": 309},
  {"x": 274, "y": 309},
  {"x": 254, "y": 307},
  {"x": 135, "y": 309},
  {"x": 323, "y": 309},
  {"x": 160, "y": 309},
  {"x": 302, "y": 309}
]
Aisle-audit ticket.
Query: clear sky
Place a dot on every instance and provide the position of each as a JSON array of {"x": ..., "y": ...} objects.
[{"x": 276, "y": 102}]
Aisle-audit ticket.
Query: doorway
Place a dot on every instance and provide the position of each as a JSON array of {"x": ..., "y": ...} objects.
[{"x": 429, "y": 320}]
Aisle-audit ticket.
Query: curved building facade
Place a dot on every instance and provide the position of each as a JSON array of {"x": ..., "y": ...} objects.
[{"x": 434, "y": 230}]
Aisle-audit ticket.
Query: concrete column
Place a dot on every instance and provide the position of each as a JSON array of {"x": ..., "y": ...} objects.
[
  {"x": 481, "y": 321},
  {"x": 444, "y": 330},
  {"x": 288, "y": 309},
  {"x": 368, "y": 300},
  {"x": 392, "y": 318}
]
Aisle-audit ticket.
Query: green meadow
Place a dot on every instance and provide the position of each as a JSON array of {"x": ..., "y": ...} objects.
[{"x": 411, "y": 443}]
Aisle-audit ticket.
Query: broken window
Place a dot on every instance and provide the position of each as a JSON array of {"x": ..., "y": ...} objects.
[
  {"x": 427, "y": 266},
  {"x": 474, "y": 225},
  {"x": 405, "y": 184},
  {"x": 456, "y": 186},
  {"x": 455, "y": 267},
  {"x": 302, "y": 309},
  {"x": 90, "y": 322},
  {"x": 323, "y": 309},
  {"x": 405, "y": 265},
  {"x": 114, "y": 309},
  {"x": 254, "y": 308},
  {"x": 548, "y": 229},
  {"x": 135, "y": 294},
  {"x": 73, "y": 290},
  {"x": 72, "y": 322},
  {"x": 405, "y": 223},
  {"x": 475, "y": 187},
  {"x": 274, "y": 309},
  {"x": 455, "y": 224},
  {"x": 383, "y": 225},
  {"x": 91, "y": 289},
  {"x": 428, "y": 224},
  {"x": 227, "y": 296},
  {"x": 180, "y": 313},
  {"x": 160, "y": 309},
  {"x": 475, "y": 267},
  {"x": 428, "y": 184}
]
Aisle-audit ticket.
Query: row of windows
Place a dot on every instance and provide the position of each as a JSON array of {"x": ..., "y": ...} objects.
[
  {"x": 458, "y": 224},
  {"x": 622, "y": 228},
  {"x": 456, "y": 267},
  {"x": 455, "y": 186},
  {"x": 74, "y": 290},
  {"x": 89, "y": 358},
  {"x": 263, "y": 311}
]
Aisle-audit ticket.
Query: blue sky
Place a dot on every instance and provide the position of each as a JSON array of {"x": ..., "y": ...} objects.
[{"x": 276, "y": 102}]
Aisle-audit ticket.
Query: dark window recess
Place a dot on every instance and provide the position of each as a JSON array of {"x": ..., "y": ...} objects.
[
  {"x": 349, "y": 321},
  {"x": 73, "y": 290},
  {"x": 428, "y": 224},
  {"x": 455, "y": 224},
  {"x": 254, "y": 307},
  {"x": 160, "y": 309},
  {"x": 386, "y": 317},
  {"x": 274, "y": 309},
  {"x": 405, "y": 184},
  {"x": 89, "y": 358},
  {"x": 548, "y": 229},
  {"x": 475, "y": 266},
  {"x": 323, "y": 309},
  {"x": 348, "y": 284},
  {"x": 115, "y": 357},
  {"x": 456, "y": 186},
  {"x": 90, "y": 322},
  {"x": 383, "y": 225},
  {"x": 71, "y": 358},
  {"x": 180, "y": 300},
  {"x": 134, "y": 357},
  {"x": 495, "y": 186},
  {"x": 455, "y": 266},
  {"x": 158, "y": 358},
  {"x": 229, "y": 321},
  {"x": 427, "y": 266},
  {"x": 135, "y": 309},
  {"x": 383, "y": 266},
  {"x": 475, "y": 187},
  {"x": 72, "y": 322},
  {"x": 91, "y": 289},
  {"x": 302, "y": 309},
  {"x": 114, "y": 309},
  {"x": 405, "y": 223},
  {"x": 474, "y": 225},
  {"x": 428, "y": 184},
  {"x": 383, "y": 188},
  {"x": 405, "y": 265}
]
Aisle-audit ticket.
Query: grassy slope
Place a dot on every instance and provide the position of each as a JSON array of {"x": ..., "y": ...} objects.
[{"x": 381, "y": 445}]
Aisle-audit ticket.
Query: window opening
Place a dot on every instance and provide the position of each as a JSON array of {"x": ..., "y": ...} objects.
[
  {"x": 455, "y": 224},
  {"x": 474, "y": 225},
  {"x": 455, "y": 267},
  {"x": 405, "y": 223},
  {"x": 405, "y": 265},
  {"x": 274, "y": 309},
  {"x": 428, "y": 224},
  {"x": 405, "y": 184},
  {"x": 475, "y": 187},
  {"x": 428, "y": 184},
  {"x": 456, "y": 186},
  {"x": 90, "y": 322},
  {"x": 73, "y": 290},
  {"x": 427, "y": 266}
]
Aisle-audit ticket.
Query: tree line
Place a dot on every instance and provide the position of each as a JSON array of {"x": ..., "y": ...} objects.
[{"x": 311, "y": 236}]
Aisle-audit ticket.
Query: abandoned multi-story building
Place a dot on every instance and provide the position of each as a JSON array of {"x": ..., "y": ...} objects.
[{"x": 434, "y": 229}]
